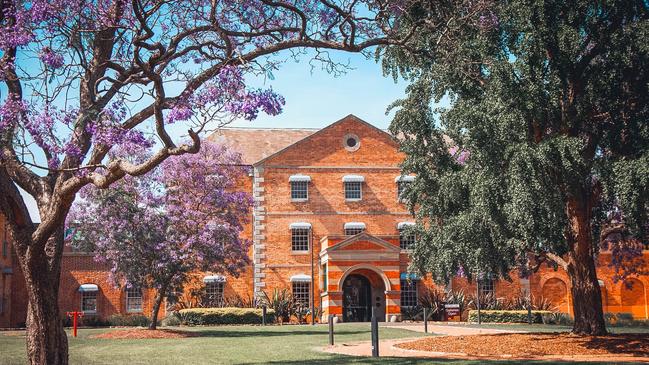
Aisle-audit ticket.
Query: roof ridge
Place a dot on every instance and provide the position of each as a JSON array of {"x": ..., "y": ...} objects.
[{"x": 269, "y": 128}]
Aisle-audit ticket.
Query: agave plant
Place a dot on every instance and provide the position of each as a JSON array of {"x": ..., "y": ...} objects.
[
  {"x": 433, "y": 300},
  {"x": 281, "y": 302}
]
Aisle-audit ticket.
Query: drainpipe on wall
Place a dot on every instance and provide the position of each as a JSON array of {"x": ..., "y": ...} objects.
[{"x": 312, "y": 279}]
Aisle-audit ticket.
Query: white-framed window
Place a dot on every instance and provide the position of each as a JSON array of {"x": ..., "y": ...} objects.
[
  {"x": 214, "y": 293},
  {"x": 403, "y": 182},
  {"x": 409, "y": 293},
  {"x": 89, "y": 302},
  {"x": 301, "y": 292},
  {"x": 353, "y": 228},
  {"x": 487, "y": 286},
  {"x": 300, "y": 239},
  {"x": 299, "y": 190},
  {"x": 406, "y": 240},
  {"x": 133, "y": 299},
  {"x": 353, "y": 190},
  {"x": 299, "y": 187},
  {"x": 402, "y": 186},
  {"x": 353, "y": 187}
]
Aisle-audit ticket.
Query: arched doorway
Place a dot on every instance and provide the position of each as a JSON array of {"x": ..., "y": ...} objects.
[{"x": 357, "y": 299}]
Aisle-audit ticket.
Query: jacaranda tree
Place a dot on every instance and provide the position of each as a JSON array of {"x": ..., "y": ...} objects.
[
  {"x": 156, "y": 230},
  {"x": 82, "y": 77},
  {"x": 545, "y": 135}
]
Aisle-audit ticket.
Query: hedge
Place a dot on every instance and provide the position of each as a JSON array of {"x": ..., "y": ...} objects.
[
  {"x": 508, "y": 316},
  {"x": 212, "y": 316}
]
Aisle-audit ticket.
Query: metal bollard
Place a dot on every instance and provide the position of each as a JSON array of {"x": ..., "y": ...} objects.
[
  {"x": 263, "y": 315},
  {"x": 425, "y": 320},
  {"x": 375, "y": 335},
  {"x": 331, "y": 329}
]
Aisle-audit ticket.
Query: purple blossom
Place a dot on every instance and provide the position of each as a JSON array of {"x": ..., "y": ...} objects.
[{"x": 51, "y": 59}]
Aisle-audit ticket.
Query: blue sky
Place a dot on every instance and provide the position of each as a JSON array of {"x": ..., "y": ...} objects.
[{"x": 315, "y": 98}]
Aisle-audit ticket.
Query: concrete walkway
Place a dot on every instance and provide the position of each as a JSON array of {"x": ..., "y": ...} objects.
[{"x": 387, "y": 348}]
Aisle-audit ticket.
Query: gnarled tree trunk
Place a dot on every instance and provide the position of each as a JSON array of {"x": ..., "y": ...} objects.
[
  {"x": 585, "y": 290},
  {"x": 47, "y": 342}
]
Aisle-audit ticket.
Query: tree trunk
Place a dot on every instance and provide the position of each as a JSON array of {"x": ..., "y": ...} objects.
[
  {"x": 47, "y": 342},
  {"x": 585, "y": 290},
  {"x": 156, "y": 307}
]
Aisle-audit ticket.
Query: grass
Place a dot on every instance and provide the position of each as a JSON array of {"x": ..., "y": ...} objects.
[{"x": 224, "y": 345}]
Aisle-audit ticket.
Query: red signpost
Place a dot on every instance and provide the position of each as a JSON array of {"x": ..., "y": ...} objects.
[{"x": 74, "y": 316}]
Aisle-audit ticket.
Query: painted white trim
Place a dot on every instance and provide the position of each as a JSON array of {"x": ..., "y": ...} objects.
[
  {"x": 354, "y": 225},
  {"x": 300, "y": 225},
  {"x": 406, "y": 178},
  {"x": 84, "y": 288},
  {"x": 300, "y": 278},
  {"x": 214, "y": 279},
  {"x": 402, "y": 225},
  {"x": 353, "y": 178},
  {"x": 299, "y": 177}
]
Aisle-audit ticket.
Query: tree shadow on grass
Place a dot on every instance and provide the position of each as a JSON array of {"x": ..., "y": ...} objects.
[{"x": 225, "y": 333}]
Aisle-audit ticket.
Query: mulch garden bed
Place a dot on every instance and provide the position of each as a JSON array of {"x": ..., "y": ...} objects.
[
  {"x": 521, "y": 345},
  {"x": 140, "y": 333}
]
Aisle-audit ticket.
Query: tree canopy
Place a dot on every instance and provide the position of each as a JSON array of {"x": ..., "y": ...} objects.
[
  {"x": 156, "y": 230},
  {"x": 545, "y": 133}
]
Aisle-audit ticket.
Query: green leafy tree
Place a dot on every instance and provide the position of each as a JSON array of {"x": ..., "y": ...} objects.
[{"x": 545, "y": 135}]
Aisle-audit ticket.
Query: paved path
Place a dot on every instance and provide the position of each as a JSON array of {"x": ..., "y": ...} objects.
[
  {"x": 450, "y": 329},
  {"x": 387, "y": 348}
]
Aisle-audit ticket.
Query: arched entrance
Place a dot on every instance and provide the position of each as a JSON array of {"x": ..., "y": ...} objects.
[
  {"x": 357, "y": 299},
  {"x": 363, "y": 289}
]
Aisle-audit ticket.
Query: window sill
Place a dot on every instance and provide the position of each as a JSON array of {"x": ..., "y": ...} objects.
[
  {"x": 300, "y": 253},
  {"x": 353, "y": 200},
  {"x": 299, "y": 200},
  {"x": 134, "y": 311},
  {"x": 89, "y": 312}
]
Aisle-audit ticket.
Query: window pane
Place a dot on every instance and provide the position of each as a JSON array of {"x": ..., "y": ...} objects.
[
  {"x": 402, "y": 186},
  {"x": 300, "y": 239},
  {"x": 214, "y": 294},
  {"x": 301, "y": 291},
  {"x": 133, "y": 300},
  {"x": 353, "y": 231},
  {"x": 406, "y": 241},
  {"x": 89, "y": 301},
  {"x": 299, "y": 190},
  {"x": 408, "y": 293},
  {"x": 352, "y": 190},
  {"x": 486, "y": 287}
]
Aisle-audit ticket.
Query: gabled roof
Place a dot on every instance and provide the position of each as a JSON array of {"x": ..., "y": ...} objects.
[
  {"x": 364, "y": 236},
  {"x": 348, "y": 118},
  {"x": 255, "y": 144}
]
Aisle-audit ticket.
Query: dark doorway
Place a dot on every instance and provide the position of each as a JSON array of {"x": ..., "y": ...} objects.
[{"x": 357, "y": 299}]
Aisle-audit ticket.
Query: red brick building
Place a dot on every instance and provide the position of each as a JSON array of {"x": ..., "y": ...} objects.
[{"x": 326, "y": 226}]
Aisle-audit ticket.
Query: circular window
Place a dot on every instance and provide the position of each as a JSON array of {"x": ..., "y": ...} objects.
[{"x": 351, "y": 142}]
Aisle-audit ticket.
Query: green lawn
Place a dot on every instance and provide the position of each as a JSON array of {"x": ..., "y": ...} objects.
[{"x": 222, "y": 345}]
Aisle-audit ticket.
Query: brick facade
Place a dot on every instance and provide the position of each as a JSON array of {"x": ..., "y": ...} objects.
[{"x": 368, "y": 265}]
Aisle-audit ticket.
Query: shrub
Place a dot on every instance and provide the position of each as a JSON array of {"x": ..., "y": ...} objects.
[
  {"x": 172, "y": 319},
  {"x": 216, "y": 316},
  {"x": 132, "y": 320},
  {"x": 558, "y": 318},
  {"x": 93, "y": 321},
  {"x": 505, "y": 316}
]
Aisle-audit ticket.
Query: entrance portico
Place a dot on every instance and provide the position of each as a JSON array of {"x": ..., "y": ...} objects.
[{"x": 360, "y": 272}]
